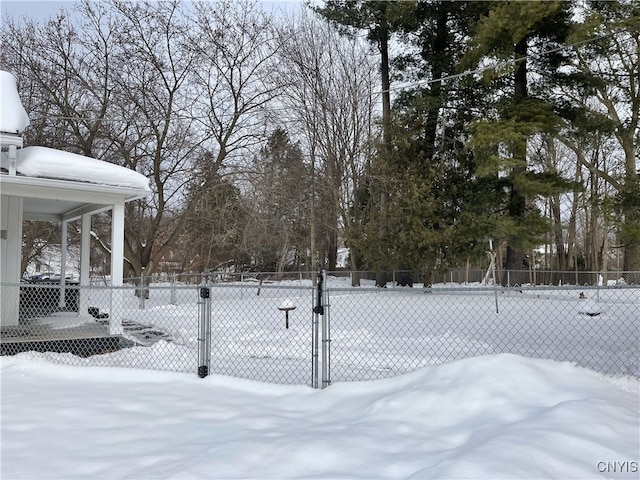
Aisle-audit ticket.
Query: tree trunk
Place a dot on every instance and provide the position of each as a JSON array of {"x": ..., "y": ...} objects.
[
  {"x": 560, "y": 260},
  {"x": 332, "y": 249},
  {"x": 282, "y": 262},
  {"x": 386, "y": 137},
  {"x": 517, "y": 201},
  {"x": 434, "y": 104}
]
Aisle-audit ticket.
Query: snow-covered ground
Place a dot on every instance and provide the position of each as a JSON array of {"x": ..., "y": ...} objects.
[{"x": 494, "y": 417}]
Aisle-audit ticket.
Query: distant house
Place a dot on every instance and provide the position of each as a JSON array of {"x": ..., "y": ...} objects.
[{"x": 44, "y": 184}]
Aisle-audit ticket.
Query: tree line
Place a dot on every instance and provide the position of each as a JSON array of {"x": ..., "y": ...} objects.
[{"x": 410, "y": 133}]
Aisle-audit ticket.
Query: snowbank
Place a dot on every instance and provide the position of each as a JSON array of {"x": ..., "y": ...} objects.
[{"x": 500, "y": 416}]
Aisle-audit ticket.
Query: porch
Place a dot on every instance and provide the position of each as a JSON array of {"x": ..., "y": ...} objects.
[
  {"x": 59, "y": 334},
  {"x": 45, "y": 324},
  {"x": 48, "y": 185}
]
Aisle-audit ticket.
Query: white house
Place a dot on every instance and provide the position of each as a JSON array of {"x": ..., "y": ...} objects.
[{"x": 39, "y": 183}]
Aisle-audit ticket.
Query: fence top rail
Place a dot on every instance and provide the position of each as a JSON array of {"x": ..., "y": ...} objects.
[
  {"x": 159, "y": 288},
  {"x": 419, "y": 288},
  {"x": 308, "y": 273},
  {"x": 484, "y": 270},
  {"x": 256, "y": 286},
  {"x": 449, "y": 288},
  {"x": 307, "y": 284}
]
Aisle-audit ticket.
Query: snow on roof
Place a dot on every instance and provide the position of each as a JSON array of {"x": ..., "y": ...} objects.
[
  {"x": 51, "y": 163},
  {"x": 56, "y": 164},
  {"x": 13, "y": 117}
]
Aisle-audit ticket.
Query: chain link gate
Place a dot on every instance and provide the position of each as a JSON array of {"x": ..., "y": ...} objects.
[{"x": 261, "y": 332}]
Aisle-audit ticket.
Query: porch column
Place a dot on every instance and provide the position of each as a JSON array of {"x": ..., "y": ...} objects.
[
  {"x": 85, "y": 264},
  {"x": 117, "y": 258},
  {"x": 63, "y": 263},
  {"x": 10, "y": 258}
]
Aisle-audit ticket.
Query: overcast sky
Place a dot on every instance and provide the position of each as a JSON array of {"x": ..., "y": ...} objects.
[
  {"x": 41, "y": 9},
  {"x": 45, "y": 9}
]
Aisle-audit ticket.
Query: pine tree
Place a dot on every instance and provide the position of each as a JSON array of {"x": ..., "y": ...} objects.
[
  {"x": 510, "y": 32},
  {"x": 429, "y": 174},
  {"x": 277, "y": 233}
]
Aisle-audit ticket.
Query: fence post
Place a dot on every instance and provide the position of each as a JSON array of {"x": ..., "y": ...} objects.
[
  {"x": 141, "y": 294},
  {"x": 318, "y": 310},
  {"x": 326, "y": 340},
  {"x": 492, "y": 268},
  {"x": 174, "y": 300},
  {"x": 204, "y": 330}
]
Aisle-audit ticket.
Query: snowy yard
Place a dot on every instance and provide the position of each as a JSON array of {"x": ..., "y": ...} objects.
[
  {"x": 493, "y": 417},
  {"x": 496, "y": 415}
]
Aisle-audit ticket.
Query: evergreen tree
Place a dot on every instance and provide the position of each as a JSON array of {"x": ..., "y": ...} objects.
[
  {"x": 428, "y": 172},
  {"x": 380, "y": 19},
  {"x": 509, "y": 34},
  {"x": 214, "y": 229}
]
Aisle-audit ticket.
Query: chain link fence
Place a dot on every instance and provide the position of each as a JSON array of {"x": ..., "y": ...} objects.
[
  {"x": 506, "y": 278},
  {"x": 259, "y": 328},
  {"x": 380, "y": 334},
  {"x": 308, "y": 329},
  {"x": 101, "y": 325}
]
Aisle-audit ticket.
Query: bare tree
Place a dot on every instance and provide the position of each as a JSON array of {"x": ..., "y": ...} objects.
[
  {"x": 609, "y": 70},
  {"x": 153, "y": 86},
  {"x": 150, "y": 132},
  {"x": 63, "y": 70},
  {"x": 232, "y": 84},
  {"x": 329, "y": 100},
  {"x": 277, "y": 236}
]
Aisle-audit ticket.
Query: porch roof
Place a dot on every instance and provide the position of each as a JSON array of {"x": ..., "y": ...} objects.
[
  {"x": 57, "y": 185},
  {"x": 47, "y": 199}
]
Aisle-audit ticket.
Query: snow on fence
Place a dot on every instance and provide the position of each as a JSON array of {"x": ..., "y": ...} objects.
[{"x": 283, "y": 329}]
